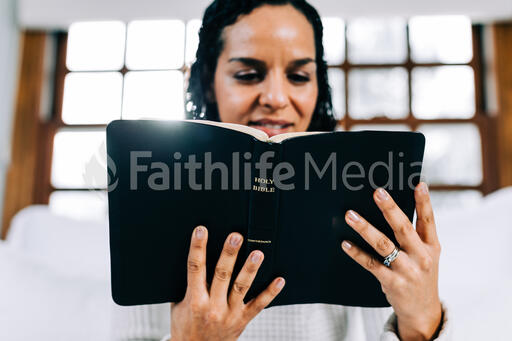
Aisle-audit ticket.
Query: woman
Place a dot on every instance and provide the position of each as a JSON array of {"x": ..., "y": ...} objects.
[{"x": 260, "y": 63}]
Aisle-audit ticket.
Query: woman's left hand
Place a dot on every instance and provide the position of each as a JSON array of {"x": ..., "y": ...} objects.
[{"x": 410, "y": 283}]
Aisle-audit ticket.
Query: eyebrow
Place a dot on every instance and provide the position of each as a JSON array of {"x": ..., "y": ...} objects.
[
  {"x": 258, "y": 63},
  {"x": 248, "y": 61},
  {"x": 301, "y": 62}
]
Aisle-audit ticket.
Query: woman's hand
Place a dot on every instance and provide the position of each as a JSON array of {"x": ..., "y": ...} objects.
[
  {"x": 208, "y": 313},
  {"x": 410, "y": 283}
]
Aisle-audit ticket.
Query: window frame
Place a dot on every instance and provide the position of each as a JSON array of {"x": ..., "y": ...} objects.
[{"x": 482, "y": 120}]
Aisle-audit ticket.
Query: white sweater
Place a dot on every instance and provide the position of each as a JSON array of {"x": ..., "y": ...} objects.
[{"x": 293, "y": 322}]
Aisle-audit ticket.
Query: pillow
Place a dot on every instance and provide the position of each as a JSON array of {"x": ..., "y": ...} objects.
[
  {"x": 70, "y": 247},
  {"x": 39, "y": 304}
]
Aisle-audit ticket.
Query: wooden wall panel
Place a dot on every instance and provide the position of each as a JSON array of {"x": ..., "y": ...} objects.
[
  {"x": 21, "y": 174},
  {"x": 503, "y": 69}
]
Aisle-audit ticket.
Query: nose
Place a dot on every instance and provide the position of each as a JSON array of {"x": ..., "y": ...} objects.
[{"x": 274, "y": 94}]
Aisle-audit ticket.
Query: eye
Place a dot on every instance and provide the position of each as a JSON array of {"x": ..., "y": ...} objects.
[
  {"x": 248, "y": 77},
  {"x": 298, "y": 78}
]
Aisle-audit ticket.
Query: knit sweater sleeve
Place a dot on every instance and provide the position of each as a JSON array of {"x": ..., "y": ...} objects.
[
  {"x": 144, "y": 322},
  {"x": 390, "y": 332}
]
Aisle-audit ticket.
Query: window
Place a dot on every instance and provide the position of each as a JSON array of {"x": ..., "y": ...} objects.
[
  {"x": 420, "y": 74},
  {"x": 111, "y": 70}
]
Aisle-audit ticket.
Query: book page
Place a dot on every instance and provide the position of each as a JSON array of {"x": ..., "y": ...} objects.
[
  {"x": 258, "y": 134},
  {"x": 281, "y": 137}
]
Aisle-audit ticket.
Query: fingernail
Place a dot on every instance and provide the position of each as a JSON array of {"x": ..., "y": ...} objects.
[
  {"x": 424, "y": 188},
  {"x": 200, "y": 232},
  {"x": 346, "y": 245},
  {"x": 382, "y": 194},
  {"x": 353, "y": 216},
  {"x": 234, "y": 240},
  {"x": 255, "y": 258},
  {"x": 280, "y": 283}
]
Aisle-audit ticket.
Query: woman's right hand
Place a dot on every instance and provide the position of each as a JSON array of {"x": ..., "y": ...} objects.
[{"x": 210, "y": 314}]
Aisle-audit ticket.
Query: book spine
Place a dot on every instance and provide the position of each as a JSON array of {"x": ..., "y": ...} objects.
[
  {"x": 115, "y": 221},
  {"x": 263, "y": 210}
]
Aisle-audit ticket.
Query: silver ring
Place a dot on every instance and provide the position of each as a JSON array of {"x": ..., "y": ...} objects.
[{"x": 391, "y": 257}]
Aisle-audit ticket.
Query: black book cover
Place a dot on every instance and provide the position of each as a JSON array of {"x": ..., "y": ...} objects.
[{"x": 168, "y": 177}]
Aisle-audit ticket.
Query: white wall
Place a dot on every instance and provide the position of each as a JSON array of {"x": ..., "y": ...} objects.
[
  {"x": 60, "y": 13},
  {"x": 8, "y": 73}
]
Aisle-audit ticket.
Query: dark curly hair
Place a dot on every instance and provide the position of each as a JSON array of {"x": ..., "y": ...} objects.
[{"x": 222, "y": 13}]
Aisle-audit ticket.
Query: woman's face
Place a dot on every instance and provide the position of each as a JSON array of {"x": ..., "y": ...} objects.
[{"x": 266, "y": 72}]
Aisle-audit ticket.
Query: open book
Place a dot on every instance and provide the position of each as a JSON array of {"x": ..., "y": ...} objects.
[
  {"x": 256, "y": 133},
  {"x": 287, "y": 195}
]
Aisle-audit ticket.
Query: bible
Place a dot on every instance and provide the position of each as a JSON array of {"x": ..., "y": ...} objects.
[{"x": 287, "y": 195}]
